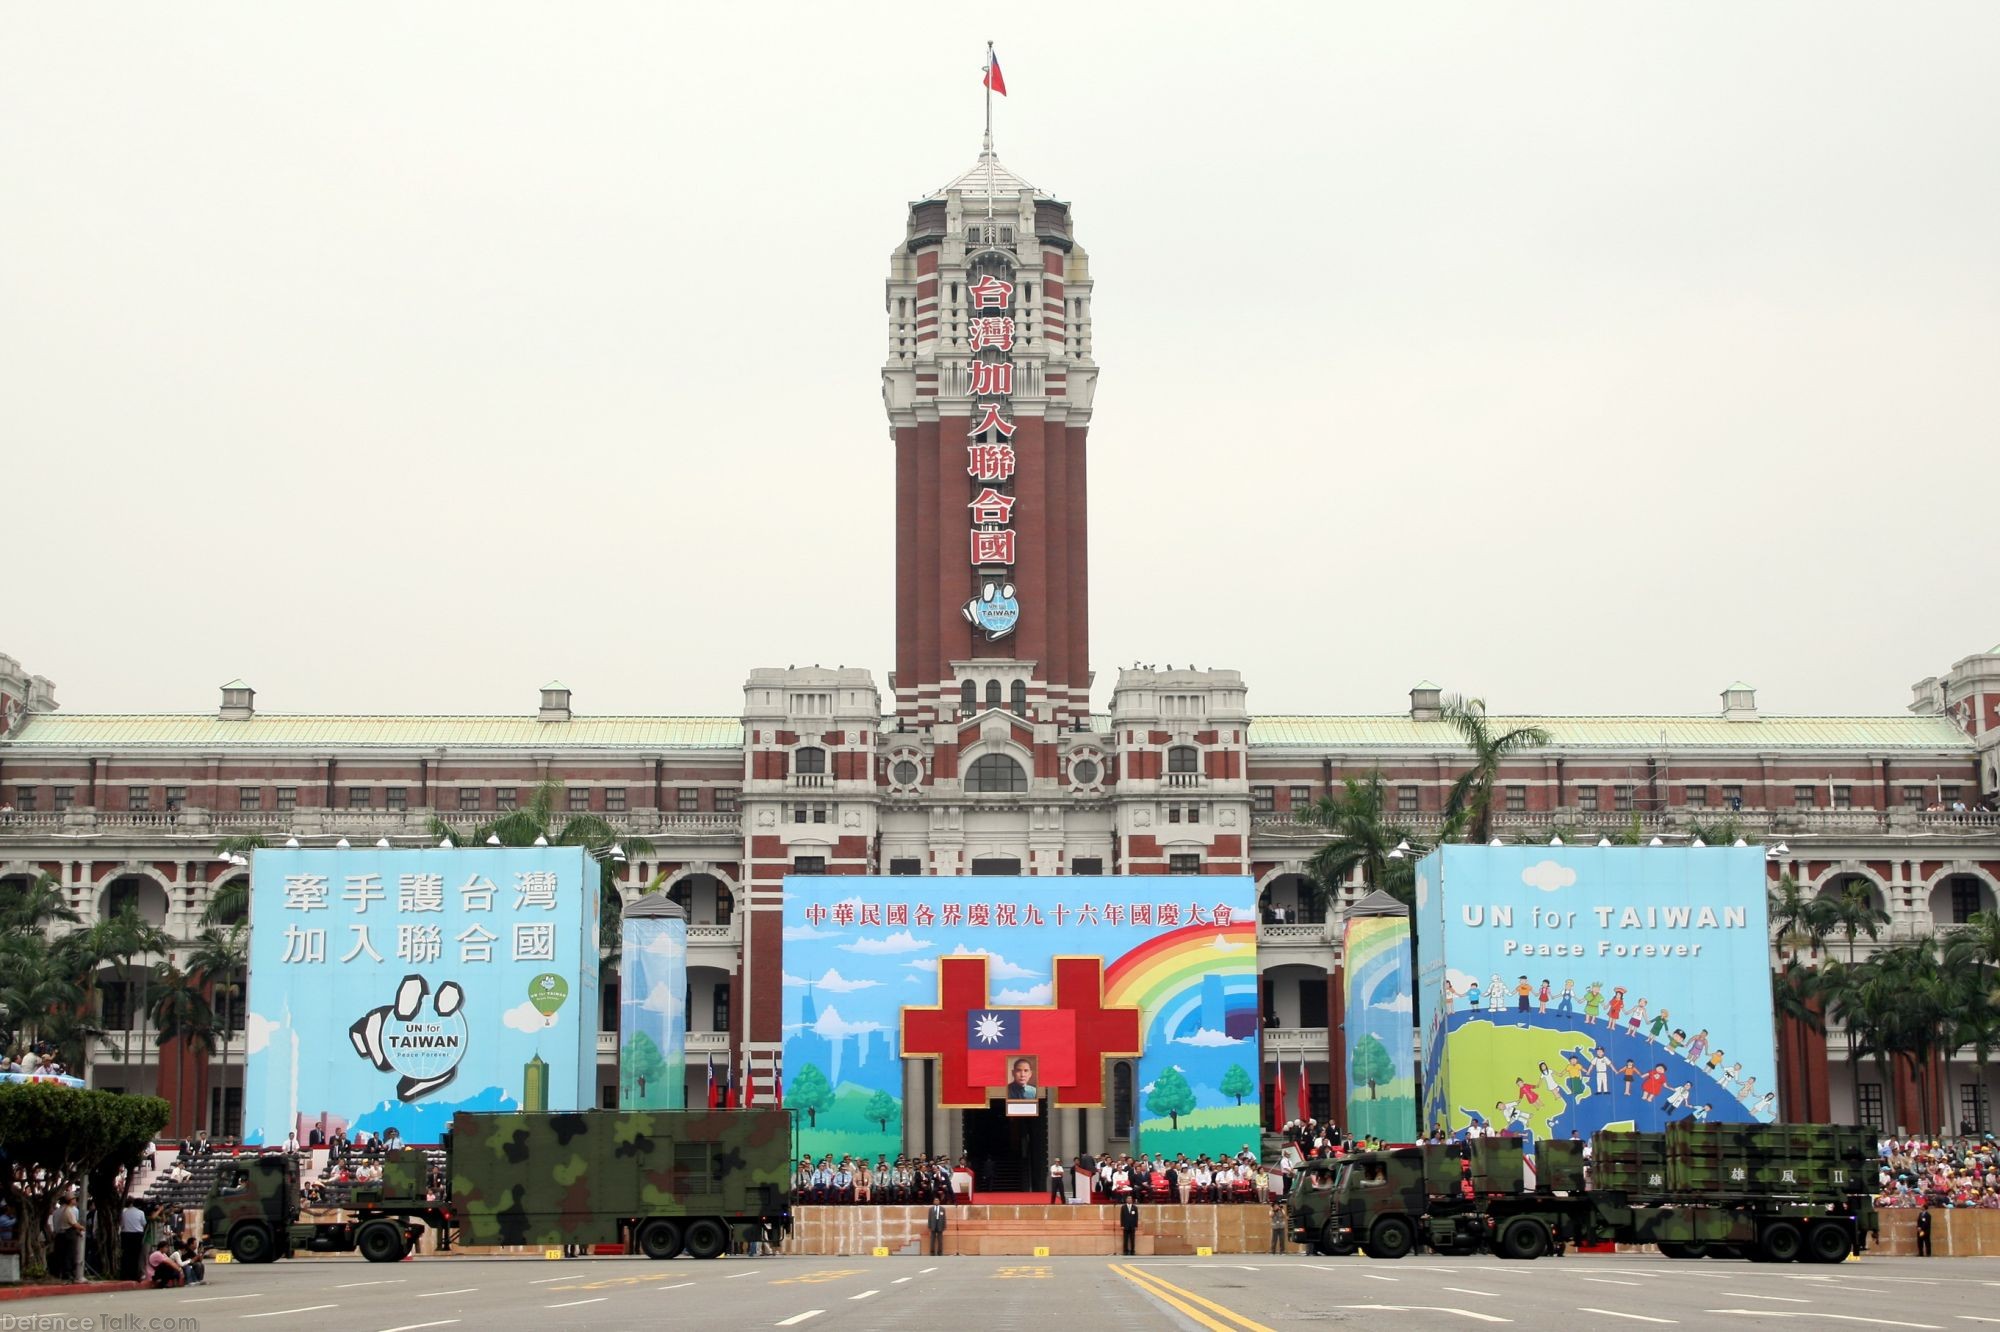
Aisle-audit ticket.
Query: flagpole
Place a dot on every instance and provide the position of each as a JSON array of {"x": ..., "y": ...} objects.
[{"x": 987, "y": 142}]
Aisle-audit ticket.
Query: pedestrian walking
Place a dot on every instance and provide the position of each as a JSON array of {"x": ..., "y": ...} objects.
[
  {"x": 131, "y": 1241},
  {"x": 937, "y": 1225}
]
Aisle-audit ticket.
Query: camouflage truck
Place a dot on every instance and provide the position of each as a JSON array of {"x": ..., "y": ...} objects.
[
  {"x": 657, "y": 1181},
  {"x": 1768, "y": 1192}
]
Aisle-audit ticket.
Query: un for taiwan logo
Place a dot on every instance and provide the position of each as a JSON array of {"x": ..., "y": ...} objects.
[
  {"x": 994, "y": 610},
  {"x": 424, "y": 1047}
]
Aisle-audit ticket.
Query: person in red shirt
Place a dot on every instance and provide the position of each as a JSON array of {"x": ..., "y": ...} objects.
[{"x": 1654, "y": 1084}]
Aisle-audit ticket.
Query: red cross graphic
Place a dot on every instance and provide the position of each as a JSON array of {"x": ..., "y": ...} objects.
[{"x": 1101, "y": 1033}]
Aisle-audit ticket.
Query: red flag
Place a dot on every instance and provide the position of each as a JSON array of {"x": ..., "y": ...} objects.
[
  {"x": 1305, "y": 1111},
  {"x": 993, "y": 81},
  {"x": 1278, "y": 1100},
  {"x": 735, "y": 1091},
  {"x": 711, "y": 1082}
]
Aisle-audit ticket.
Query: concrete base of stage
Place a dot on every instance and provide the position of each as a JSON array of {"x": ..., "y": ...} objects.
[{"x": 1019, "y": 1229}]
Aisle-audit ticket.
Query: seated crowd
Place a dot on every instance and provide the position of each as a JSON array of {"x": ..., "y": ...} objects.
[
  {"x": 1940, "y": 1172},
  {"x": 38, "y": 1059},
  {"x": 910, "y": 1180}
]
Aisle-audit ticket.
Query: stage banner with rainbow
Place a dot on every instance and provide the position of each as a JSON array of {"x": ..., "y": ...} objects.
[
  {"x": 1027, "y": 995},
  {"x": 1376, "y": 979}
]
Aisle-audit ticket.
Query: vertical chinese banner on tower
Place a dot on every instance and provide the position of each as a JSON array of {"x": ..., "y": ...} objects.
[
  {"x": 990, "y": 459},
  {"x": 1134, "y": 994},
  {"x": 393, "y": 988}
]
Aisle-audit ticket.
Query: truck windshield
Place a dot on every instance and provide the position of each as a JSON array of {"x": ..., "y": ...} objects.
[{"x": 1340, "y": 1179}]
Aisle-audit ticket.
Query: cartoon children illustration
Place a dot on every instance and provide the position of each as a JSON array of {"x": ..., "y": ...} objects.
[
  {"x": 1629, "y": 1072},
  {"x": 1702, "y": 1112},
  {"x": 1766, "y": 1108},
  {"x": 1573, "y": 1081},
  {"x": 1521, "y": 992},
  {"x": 1474, "y": 1118},
  {"x": 1617, "y": 1004},
  {"x": 1472, "y": 995},
  {"x": 1566, "y": 1004},
  {"x": 1658, "y": 1025},
  {"x": 1526, "y": 1090},
  {"x": 1698, "y": 1047},
  {"x": 1542, "y": 996},
  {"x": 1730, "y": 1074},
  {"x": 1748, "y": 1088},
  {"x": 1496, "y": 998},
  {"x": 1715, "y": 1058},
  {"x": 1655, "y": 1082},
  {"x": 1450, "y": 993},
  {"x": 1549, "y": 1079},
  {"x": 1680, "y": 1096},
  {"x": 1593, "y": 999},
  {"x": 1637, "y": 1018},
  {"x": 1600, "y": 1067}
]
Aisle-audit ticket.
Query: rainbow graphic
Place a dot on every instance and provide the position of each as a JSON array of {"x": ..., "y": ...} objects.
[
  {"x": 1194, "y": 979},
  {"x": 1381, "y": 1068}
]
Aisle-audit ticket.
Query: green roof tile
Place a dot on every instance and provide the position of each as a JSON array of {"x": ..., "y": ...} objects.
[
  {"x": 280, "y": 731},
  {"x": 1927, "y": 733}
]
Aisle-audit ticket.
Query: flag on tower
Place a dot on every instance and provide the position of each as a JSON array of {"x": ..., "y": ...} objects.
[{"x": 993, "y": 81}]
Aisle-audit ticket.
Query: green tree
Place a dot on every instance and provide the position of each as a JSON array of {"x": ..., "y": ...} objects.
[
  {"x": 1470, "y": 804},
  {"x": 1363, "y": 838},
  {"x": 1171, "y": 1096},
  {"x": 229, "y": 902},
  {"x": 639, "y": 1063},
  {"x": 181, "y": 1015},
  {"x": 811, "y": 1093},
  {"x": 218, "y": 959},
  {"x": 1800, "y": 919},
  {"x": 1236, "y": 1082},
  {"x": 55, "y": 1138},
  {"x": 1370, "y": 1063},
  {"x": 34, "y": 906},
  {"x": 882, "y": 1108},
  {"x": 1852, "y": 911}
]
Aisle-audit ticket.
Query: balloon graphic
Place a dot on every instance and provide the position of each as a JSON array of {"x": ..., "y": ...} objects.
[{"x": 547, "y": 992}]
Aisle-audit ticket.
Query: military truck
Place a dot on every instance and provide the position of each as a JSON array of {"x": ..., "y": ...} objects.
[
  {"x": 1768, "y": 1192},
  {"x": 657, "y": 1181}
]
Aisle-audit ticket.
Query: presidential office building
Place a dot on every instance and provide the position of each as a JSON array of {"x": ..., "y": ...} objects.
[{"x": 980, "y": 753}]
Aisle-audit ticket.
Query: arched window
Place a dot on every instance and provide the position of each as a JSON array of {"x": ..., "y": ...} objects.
[
  {"x": 808, "y": 761},
  {"x": 1183, "y": 758},
  {"x": 995, "y": 772},
  {"x": 968, "y": 697},
  {"x": 1121, "y": 1099},
  {"x": 1019, "y": 698},
  {"x": 992, "y": 693}
]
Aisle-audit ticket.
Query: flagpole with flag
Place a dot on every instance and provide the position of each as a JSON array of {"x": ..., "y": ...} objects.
[
  {"x": 711, "y": 1080},
  {"x": 1305, "y": 1102},
  {"x": 994, "y": 84},
  {"x": 1278, "y": 1099}
]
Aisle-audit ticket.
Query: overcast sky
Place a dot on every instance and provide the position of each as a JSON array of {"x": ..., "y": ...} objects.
[{"x": 1587, "y": 357}]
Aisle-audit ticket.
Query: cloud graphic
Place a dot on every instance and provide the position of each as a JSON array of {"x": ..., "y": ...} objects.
[
  {"x": 997, "y": 967},
  {"x": 1034, "y": 994},
  {"x": 1207, "y": 1036},
  {"x": 666, "y": 945},
  {"x": 795, "y": 933},
  {"x": 902, "y": 941},
  {"x": 523, "y": 1017},
  {"x": 1423, "y": 891},
  {"x": 1226, "y": 944},
  {"x": 833, "y": 1026},
  {"x": 832, "y": 982},
  {"x": 660, "y": 999},
  {"x": 257, "y": 1031},
  {"x": 1399, "y": 1004},
  {"x": 1548, "y": 875}
]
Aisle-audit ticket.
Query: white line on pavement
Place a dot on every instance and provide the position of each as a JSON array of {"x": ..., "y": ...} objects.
[
  {"x": 800, "y": 1318},
  {"x": 210, "y": 1299},
  {"x": 928, "y": 1270},
  {"x": 412, "y": 1327},
  {"x": 1975, "y": 1318},
  {"x": 279, "y": 1313},
  {"x": 571, "y": 1304},
  {"x": 900, "y": 1280},
  {"x": 1461, "y": 1290},
  {"x": 433, "y": 1294},
  {"x": 1746, "y": 1295},
  {"x": 546, "y": 1280},
  {"x": 1610, "y": 1281},
  {"x": 1845, "y": 1318},
  {"x": 676, "y": 1286},
  {"x": 864, "y": 1294},
  {"x": 1427, "y": 1308},
  {"x": 732, "y": 1276},
  {"x": 1373, "y": 1277},
  {"x": 1613, "y": 1313},
  {"x": 385, "y": 1281}
]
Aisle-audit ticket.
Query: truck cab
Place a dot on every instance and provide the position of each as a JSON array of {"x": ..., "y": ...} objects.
[{"x": 251, "y": 1207}]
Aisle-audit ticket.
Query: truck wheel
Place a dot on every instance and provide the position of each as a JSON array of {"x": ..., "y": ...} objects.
[
  {"x": 1782, "y": 1243},
  {"x": 1334, "y": 1243},
  {"x": 1524, "y": 1239},
  {"x": 660, "y": 1239},
  {"x": 1392, "y": 1237},
  {"x": 706, "y": 1238},
  {"x": 252, "y": 1244},
  {"x": 381, "y": 1242},
  {"x": 1827, "y": 1242}
]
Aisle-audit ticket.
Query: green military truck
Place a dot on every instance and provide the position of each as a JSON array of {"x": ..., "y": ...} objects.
[
  {"x": 658, "y": 1181},
  {"x": 1767, "y": 1192}
]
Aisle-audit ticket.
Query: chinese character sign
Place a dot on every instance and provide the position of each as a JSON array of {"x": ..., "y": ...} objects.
[
  {"x": 397, "y": 987},
  {"x": 1575, "y": 988},
  {"x": 1062, "y": 979},
  {"x": 990, "y": 460}
]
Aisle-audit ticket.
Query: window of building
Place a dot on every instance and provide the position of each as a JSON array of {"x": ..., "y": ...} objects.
[
  {"x": 286, "y": 798},
  {"x": 995, "y": 773},
  {"x": 992, "y": 693},
  {"x": 799, "y": 814},
  {"x": 1802, "y": 797},
  {"x": 1173, "y": 813},
  {"x": 1517, "y": 800},
  {"x": 176, "y": 797},
  {"x": 725, "y": 799},
  {"x": 820, "y": 811},
  {"x": 968, "y": 697},
  {"x": 1586, "y": 799},
  {"x": 905, "y": 772},
  {"x": 1621, "y": 799},
  {"x": 1949, "y": 795},
  {"x": 1843, "y": 797},
  {"x": 1086, "y": 865},
  {"x": 1406, "y": 800},
  {"x": 63, "y": 797},
  {"x": 139, "y": 799},
  {"x": 1001, "y": 865},
  {"x": 687, "y": 799},
  {"x": 468, "y": 797},
  {"x": 1732, "y": 796},
  {"x": 1017, "y": 698},
  {"x": 809, "y": 865},
  {"x": 1194, "y": 813},
  {"x": 614, "y": 799},
  {"x": 1183, "y": 758},
  {"x": 1871, "y": 1104},
  {"x": 397, "y": 798},
  {"x": 360, "y": 797},
  {"x": 1695, "y": 795},
  {"x": 24, "y": 799},
  {"x": 1121, "y": 1099},
  {"x": 719, "y": 1011},
  {"x": 1913, "y": 797},
  {"x": 1975, "y": 1108},
  {"x": 1301, "y": 796},
  {"x": 1964, "y": 899},
  {"x": 1263, "y": 799},
  {"x": 808, "y": 762},
  {"x": 579, "y": 799},
  {"x": 1184, "y": 864},
  {"x": 249, "y": 798},
  {"x": 906, "y": 865},
  {"x": 1084, "y": 771},
  {"x": 506, "y": 798}
]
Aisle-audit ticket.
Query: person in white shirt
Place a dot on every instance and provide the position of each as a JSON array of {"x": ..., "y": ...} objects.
[{"x": 131, "y": 1241}]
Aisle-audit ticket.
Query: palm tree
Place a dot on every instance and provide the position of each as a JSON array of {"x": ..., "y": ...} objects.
[
  {"x": 1853, "y": 911},
  {"x": 33, "y": 908},
  {"x": 1800, "y": 918},
  {"x": 183, "y": 1016},
  {"x": 34, "y": 986},
  {"x": 1472, "y": 794},
  {"x": 123, "y": 938},
  {"x": 1363, "y": 839},
  {"x": 216, "y": 962},
  {"x": 230, "y": 902},
  {"x": 1975, "y": 945}
]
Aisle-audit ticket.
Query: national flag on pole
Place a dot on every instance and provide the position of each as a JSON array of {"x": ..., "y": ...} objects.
[
  {"x": 711, "y": 1082},
  {"x": 995, "y": 1037},
  {"x": 1278, "y": 1100},
  {"x": 732, "y": 1097},
  {"x": 993, "y": 81},
  {"x": 1305, "y": 1104},
  {"x": 778, "y": 1089}
]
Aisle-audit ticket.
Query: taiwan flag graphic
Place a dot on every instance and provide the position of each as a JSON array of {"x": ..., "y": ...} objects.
[{"x": 993, "y": 1036}]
